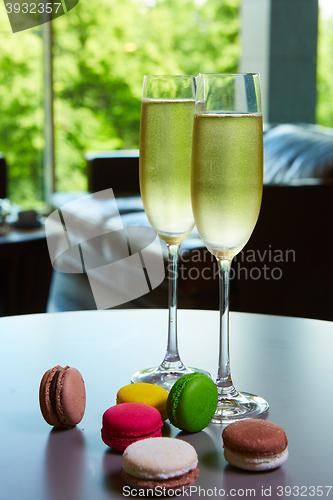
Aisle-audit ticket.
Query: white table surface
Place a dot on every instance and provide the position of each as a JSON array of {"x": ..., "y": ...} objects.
[{"x": 288, "y": 361}]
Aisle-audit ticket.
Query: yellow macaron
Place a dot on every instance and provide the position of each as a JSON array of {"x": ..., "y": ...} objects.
[{"x": 147, "y": 394}]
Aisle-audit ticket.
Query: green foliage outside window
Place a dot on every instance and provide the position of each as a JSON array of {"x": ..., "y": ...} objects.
[
  {"x": 21, "y": 112},
  {"x": 324, "y": 110},
  {"x": 102, "y": 49}
]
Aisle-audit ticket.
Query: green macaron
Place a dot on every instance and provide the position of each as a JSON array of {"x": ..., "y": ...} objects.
[{"x": 192, "y": 402}]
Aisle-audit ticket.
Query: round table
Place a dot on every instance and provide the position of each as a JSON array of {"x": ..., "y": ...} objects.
[{"x": 285, "y": 360}]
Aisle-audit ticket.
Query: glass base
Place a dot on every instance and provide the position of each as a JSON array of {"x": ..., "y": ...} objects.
[
  {"x": 164, "y": 375},
  {"x": 238, "y": 406}
]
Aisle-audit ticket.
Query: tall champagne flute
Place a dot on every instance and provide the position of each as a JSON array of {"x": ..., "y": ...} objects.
[
  {"x": 226, "y": 190},
  {"x": 167, "y": 113}
]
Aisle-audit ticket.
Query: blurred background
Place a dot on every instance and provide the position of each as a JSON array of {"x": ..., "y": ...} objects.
[
  {"x": 70, "y": 99},
  {"x": 101, "y": 50}
]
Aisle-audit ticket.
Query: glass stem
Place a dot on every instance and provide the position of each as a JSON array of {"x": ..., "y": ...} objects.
[
  {"x": 172, "y": 356},
  {"x": 224, "y": 381}
]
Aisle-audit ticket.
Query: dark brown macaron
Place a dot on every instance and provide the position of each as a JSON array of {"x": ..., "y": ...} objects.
[
  {"x": 255, "y": 445},
  {"x": 62, "y": 396}
]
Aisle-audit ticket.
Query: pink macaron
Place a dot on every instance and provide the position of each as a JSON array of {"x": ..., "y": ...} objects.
[{"x": 126, "y": 423}]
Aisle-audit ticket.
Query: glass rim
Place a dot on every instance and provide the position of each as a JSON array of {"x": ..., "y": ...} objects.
[
  {"x": 170, "y": 76},
  {"x": 229, "y": 74}
]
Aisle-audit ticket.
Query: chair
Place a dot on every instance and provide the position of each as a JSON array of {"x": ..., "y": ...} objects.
[
  {"x": 3, "y": 177},
  {"x": 25, "y": 271},
  {"x": 117, "y": 169}
]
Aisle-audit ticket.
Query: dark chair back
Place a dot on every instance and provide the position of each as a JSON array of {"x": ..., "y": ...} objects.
[
  {"x": 117, "y": 169},
  {"x": 3, "y": 177}
]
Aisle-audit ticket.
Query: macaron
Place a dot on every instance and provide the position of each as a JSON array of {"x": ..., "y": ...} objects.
[
  {"x": 192, "y": 402},
  {"x": 161, "y": 464},
  {"x": 255, "y": 445},
  {"x": 62, "y": 396},
  {"x": 147, "y": 394},
  {"x": 129, "y": 422}
]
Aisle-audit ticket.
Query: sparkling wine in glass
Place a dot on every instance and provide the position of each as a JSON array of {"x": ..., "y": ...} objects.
[
  {"x": 167, "y": 112},
  {"x": 226, "y": 190}
]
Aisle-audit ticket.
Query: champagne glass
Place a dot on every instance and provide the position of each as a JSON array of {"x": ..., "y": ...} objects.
[
  {"x": 226, "y": 191},
  {"x": 167, "y": 113}
]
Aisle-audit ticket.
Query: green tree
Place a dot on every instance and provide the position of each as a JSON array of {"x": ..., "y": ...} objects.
[
  {"x": 21, "y": 116},
  {"x": 324, "y": 109},
  {"x": 102, "y": 49}
]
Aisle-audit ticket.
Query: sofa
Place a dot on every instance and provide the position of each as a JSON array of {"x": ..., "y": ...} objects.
[{"x": 284, "y": 269}]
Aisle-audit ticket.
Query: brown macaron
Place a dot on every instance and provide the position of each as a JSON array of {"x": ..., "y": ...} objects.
[
  {"x": 255, "y": 445},
  {"x": 62, "y": 396}
]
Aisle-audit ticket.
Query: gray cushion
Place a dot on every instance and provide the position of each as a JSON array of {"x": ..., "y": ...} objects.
[{"x": 293, "y": 152}]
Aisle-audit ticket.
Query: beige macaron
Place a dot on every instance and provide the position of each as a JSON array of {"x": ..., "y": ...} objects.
[{"x": 168, "y": 463}]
